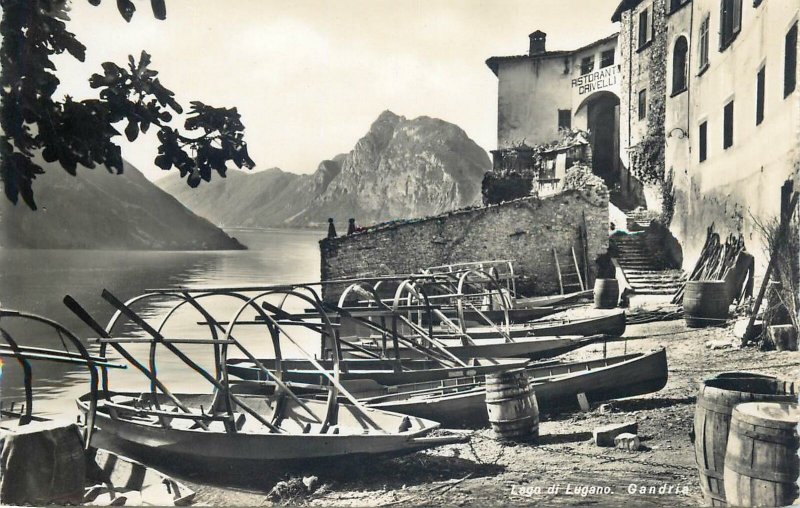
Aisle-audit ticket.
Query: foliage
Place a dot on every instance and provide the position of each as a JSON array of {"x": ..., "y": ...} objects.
[
  {"x": 528, "y": 159},
  {"x": 74, "y": 132},
  {"x": 785, "y": 295},
  {"x": 647, "y": 158},
  {"x": 668, "y": 199},
  {"x": 581, "y": 177}
]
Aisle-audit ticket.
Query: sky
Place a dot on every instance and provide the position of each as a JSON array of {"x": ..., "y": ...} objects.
[{"x": 310, "y": 76}]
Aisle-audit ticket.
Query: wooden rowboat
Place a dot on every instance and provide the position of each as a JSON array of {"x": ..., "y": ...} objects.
[
  {"x": 547, "y": 301},
  {"x": 532, "y": 348},
  {"x": 127, "y": 423},
  {"x": 522, "y": 315},
  {"x": 383, "y": 371},
  {"x": 611, "y": 325},
  {"x": 461, "y": 402}
]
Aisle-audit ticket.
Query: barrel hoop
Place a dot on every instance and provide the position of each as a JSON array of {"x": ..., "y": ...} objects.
[
  {"x": 710, "y": 473},
  {"x": 507, "y": 399},
  {"x": 788, "y": 440},
  {"x": 771, "y": 476},
  {"x": 716, "y": 408},
  {"x": 513, "y": 420},
  {"x": 760, "y": 422},
  {"x": 753, "y": 397}
]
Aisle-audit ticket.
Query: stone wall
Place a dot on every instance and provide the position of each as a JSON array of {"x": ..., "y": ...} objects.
[
  {"x": 525, "y": 230},
  {"x": 643, "y": 68}
]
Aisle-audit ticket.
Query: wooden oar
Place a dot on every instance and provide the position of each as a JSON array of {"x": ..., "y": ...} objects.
[
  {"x": 84, "y": 316},
  {"x": 144, "y": 325}
]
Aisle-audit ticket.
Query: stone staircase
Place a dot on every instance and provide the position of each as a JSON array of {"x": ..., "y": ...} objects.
[
  {"x": 642, "y": 273},
  {"x": 638, "y": 220}
]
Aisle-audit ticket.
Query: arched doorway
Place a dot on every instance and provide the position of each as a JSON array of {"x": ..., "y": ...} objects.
[{"x": 602, "y": 122}]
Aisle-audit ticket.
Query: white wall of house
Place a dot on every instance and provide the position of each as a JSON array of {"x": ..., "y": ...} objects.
[{"x": 739, "y": 185}]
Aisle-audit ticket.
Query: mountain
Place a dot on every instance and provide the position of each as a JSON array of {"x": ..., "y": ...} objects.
[
  {"x": 400, "y": 169},
  {"x": 99, "y": 210}
]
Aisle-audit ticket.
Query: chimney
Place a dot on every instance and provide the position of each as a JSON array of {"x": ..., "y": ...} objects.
[{"x": 538, "y": 40}]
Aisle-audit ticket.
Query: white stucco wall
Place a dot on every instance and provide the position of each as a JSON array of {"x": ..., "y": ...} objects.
[{"x": 734, "y": 185}]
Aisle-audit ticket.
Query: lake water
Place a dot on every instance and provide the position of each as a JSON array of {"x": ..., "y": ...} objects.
[{"x": 37, "y": 280}]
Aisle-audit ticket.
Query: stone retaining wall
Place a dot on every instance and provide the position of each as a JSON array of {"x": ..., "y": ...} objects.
[{"x": 525, "y": 230}]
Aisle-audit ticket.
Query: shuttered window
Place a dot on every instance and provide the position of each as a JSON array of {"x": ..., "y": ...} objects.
[
  {"x": 760, "y": 89},
  {"x": 790, "y": 62},
  {"x": 644, "y": 27},
  {"x": 702, "y": 136},
  {"x": 727, "y": 126},
  {"x": 587, "y": 64},
  {"x": 703, "y": 45},
  {"x": 730, "y": 22},
  {"x": 643, "y": 104},
  {"x": 564, "y": 118},
  {"x": 679, "y": 59}
]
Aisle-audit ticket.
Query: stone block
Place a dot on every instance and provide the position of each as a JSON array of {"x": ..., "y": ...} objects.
[
  {"x": 627, "y": 441},
  {"x": 604, "y": 436}
]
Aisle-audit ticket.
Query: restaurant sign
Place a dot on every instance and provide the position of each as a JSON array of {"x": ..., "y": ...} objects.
[{"x": 606, "y": 78}]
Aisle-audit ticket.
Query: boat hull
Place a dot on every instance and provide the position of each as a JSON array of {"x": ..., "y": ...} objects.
[
  {"x": 198, "y": 448},
  {"x": 635, "y": 375},
  {"x": 611, "y": 325},
  {"x": 381, "y": 371},
  {"x": 546, "y": 301}
]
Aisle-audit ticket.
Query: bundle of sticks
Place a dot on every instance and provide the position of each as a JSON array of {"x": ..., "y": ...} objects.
[{"x": 716, "y": 260}]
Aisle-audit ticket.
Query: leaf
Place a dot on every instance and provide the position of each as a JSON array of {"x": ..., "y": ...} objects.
[
  {"x": 159, "y": 9},
  {"x": 131, "y": 131},
  {"x": 126, "y": 8},
  {"x": 163, "y": 162}
]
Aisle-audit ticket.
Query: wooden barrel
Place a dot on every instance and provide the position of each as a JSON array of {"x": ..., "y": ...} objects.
[
  {"x": 705, "y": 303},
  {"x": 606, "y": 293},
  {"x": 712, "y": 417},
  {"x": 761, "y": 462},
  {"x": 511, "y": 404}
]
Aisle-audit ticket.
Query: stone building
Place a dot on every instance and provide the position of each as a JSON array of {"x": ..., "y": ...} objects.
[
  {"x": 711, "y": 109},
  {"x": 543, "y": 92}
]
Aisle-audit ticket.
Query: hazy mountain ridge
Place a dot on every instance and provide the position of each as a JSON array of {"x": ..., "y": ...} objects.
[
  {"x": 99, "y": 210},
  {"x": 400, "y": 169}
]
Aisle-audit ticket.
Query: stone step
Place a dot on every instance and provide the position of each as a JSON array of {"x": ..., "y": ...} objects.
[{"x": 660, "y": 282}]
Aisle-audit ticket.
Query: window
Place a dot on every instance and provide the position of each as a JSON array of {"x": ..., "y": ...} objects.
[
  {"x": 607, "y": 58},
  {"x": 642, "y": 104},
  {"x": 703, "y": 49},
  {"x": 587, "y": 64},
  {"x": 730, "y": 22},
  {"x": 727, "y": 128},
  {"x": 644, "y": 27},
  {"x": 790, "y": 62},
  {"x": 679, "y": 65},
  {"x": 702, "y": 136},
  {"x": 674, "y": 5},
  {"x": 564, "y": 118},
  {"x": 760, "y": 95}
]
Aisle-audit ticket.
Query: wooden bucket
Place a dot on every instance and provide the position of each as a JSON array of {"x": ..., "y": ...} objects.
[
  {"x": 761, "y": 462},
  {"x": 606, "y": 293},
  {"x": 712, "y": 417},
  {"x": 511, "y": 404},
  {"x": 705, "y": 303}
]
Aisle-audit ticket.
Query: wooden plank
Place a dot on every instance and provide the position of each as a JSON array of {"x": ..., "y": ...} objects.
[{"x": 558, "y": 270}]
